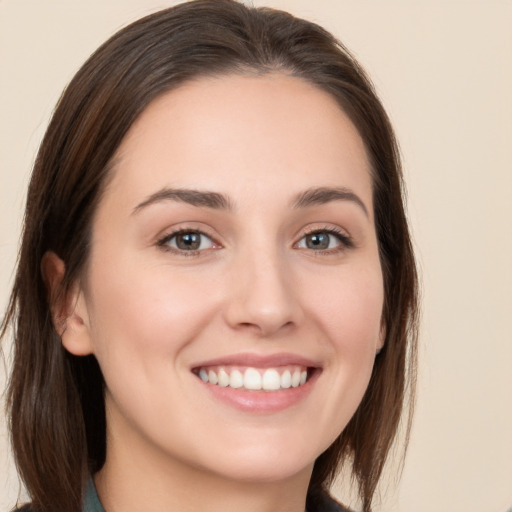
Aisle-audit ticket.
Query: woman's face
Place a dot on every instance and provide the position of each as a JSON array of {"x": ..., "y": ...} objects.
[{"x": 234, "y": 249}]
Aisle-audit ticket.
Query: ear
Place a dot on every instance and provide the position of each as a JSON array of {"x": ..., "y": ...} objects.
[{"x": 68, "y": 307}]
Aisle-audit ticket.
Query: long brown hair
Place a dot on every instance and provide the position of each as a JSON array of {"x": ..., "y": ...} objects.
[{"x": 55, "y": 400}]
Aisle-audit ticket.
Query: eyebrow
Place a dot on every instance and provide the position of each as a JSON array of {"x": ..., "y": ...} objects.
[
  {"x": 323, "y": 195},
  {"x": 217, "y": 201},
  {"x": 189, "y": 196}
]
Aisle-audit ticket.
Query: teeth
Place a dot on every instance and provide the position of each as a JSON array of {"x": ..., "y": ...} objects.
[
  {"x": 271, "y": 380},
  {"x": 223, "y": 378},
  {"x": 286, "y": 379},
  {"x": 236, "y": 379},
  {"x": 212, "y": 377},
  {"x": 295, "y": 379},
  {"x": 254, "y": 379}
]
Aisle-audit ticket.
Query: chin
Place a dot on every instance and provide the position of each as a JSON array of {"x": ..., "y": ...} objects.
[
  {"x": 264, "y": 462},
  {"x": 272, "y": 469}
]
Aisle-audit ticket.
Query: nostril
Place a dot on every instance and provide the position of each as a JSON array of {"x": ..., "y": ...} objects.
[{"x": 265, "y": 327}]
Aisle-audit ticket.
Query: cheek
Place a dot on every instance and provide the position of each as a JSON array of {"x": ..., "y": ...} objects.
[
  {"x": 143, "y": 318},
  {"x": 350, "y": 309},
  {"x": 143, "y": 311},
  {"x": 350, "y": 313}
]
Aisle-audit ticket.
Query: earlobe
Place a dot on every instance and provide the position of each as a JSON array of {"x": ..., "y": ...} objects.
[{"x": 68, "y": 307}]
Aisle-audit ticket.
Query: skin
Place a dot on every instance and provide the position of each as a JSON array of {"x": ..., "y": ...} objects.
[{"x": 149, "y": 313}]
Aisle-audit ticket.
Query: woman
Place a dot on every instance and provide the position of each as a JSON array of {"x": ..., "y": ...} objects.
[{"x": 215, "y": 302}]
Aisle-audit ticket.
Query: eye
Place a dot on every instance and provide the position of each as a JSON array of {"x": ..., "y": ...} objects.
[
  {"x": 187, "y": 241},
  {"x": 325, "y": 240}
]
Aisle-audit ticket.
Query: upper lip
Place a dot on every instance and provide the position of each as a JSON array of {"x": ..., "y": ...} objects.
[{"x": 259, "y": 360}]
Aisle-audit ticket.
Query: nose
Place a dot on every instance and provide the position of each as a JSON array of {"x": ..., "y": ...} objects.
[{"x": 263, "y": 297}]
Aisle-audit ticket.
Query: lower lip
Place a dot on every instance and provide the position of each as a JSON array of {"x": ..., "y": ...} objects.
[{"x": 261, "y": 401}]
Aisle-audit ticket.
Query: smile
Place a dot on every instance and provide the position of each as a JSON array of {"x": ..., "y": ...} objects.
[
  {"x": 254, "y": 379},
  {"x": 257, "y": 383}
]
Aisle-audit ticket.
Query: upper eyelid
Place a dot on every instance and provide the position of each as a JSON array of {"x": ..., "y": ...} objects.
[
  {"x": 328, "y": 229},
  {"x": 324, "y": 229},
  {"x": 186, "y": 228},
  {"x": 165, "y": 238}
]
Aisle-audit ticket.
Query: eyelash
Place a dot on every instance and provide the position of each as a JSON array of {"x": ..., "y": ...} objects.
[
  {"x": 345, "y": 241},
  {"x": 162, "y": 243}
]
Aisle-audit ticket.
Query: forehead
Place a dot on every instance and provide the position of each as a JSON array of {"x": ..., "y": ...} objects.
[{"x": 241, "y": 133}]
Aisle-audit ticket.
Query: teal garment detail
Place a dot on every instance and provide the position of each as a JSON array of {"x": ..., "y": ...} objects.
[{"x": 91, "y": 501}]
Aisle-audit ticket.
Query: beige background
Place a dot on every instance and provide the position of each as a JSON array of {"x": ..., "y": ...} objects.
[{"x": 444, "y": 70}]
